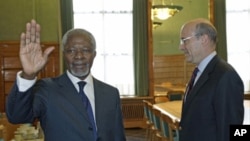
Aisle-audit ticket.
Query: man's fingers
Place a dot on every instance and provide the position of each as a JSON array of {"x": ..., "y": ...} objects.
[
  {"x": 33, "y": 31},
  {"x": 37, "y": 35},
  {"x": 27, "y": 37},
  {"x": 22, "y": 40},
  {"x": 48, "y": 51},
  {"x": 31, "y": 36}
]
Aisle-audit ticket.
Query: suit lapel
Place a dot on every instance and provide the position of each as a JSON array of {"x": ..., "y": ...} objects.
[
  {"x": 70, "y": 93},
  {"x": 99, "y": 98},
  {"x": 200, "y": 82}
]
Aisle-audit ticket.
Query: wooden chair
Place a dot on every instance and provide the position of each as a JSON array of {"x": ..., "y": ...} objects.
[
  {"x": 169, "y": 127},
  {"x": 157, "y": 136},
  {"x": 175, "y": 95},
  {"x": 147, "y": 116},
  {"x": 153, "y": 130}
]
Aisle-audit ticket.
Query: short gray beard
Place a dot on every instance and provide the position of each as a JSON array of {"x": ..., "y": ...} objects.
[{"x": 82, "y": 74}]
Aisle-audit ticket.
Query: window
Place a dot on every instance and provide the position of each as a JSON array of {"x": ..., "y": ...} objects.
[
  {"x": 110, "y": 21},
  {"x": 238, "y": 21}
]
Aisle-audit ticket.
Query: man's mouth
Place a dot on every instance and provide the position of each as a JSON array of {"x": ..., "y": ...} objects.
[{"x": 80, "y": 65}]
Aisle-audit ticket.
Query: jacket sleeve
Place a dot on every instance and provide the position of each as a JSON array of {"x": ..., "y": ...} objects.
[
  {"x": 120, "y": 135},
  {"x": 229, "y": 106},
  {"x": 19, "y": 106}
]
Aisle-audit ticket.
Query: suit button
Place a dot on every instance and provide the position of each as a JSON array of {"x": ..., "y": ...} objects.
[
  {"x": 90, "y": 128},
  {"x": 180, "y": 127}
]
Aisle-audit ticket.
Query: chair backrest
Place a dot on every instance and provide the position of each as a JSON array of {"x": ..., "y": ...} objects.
[
  {"x": 175, "y": 95},
  {"x": 169, "y": 128},
  {"x": 149, "y": 107},
  {"x": 145, "y": 109},
  {"x": 157, "y": 119}
]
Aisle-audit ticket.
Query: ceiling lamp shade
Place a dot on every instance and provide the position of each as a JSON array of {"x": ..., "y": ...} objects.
[
  {"x": 163, "y": 12},
  {"x": 156, "y": 24}
]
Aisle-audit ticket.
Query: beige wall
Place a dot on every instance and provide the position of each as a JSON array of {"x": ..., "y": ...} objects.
[
  {"x": 166, "y": 37},
  {"x": 15, "y": 14}
]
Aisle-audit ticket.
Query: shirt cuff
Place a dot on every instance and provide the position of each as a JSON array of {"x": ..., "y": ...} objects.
[{"x": 24, "y": 84}]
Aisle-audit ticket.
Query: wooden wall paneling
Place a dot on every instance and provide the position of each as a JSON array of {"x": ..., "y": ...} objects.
[
  {"x": 172, "y": 69},
  {"x": 150, "y": 50},
  {"x": 10, "y": 65},
  {"x": 8, "y": 62},
  {"x": 52, "y": 68}
]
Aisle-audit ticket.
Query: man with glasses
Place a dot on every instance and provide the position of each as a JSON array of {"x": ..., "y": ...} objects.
[
  {"x": 66, "y": 111},
  {"x": 214, "y": 101}
]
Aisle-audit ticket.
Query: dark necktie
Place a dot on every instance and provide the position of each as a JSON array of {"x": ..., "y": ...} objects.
[
  {"x": 87, "y": 106},
  {"x": 191, "y": 82}
]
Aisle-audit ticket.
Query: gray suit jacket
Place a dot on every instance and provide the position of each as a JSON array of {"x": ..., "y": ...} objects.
[
  {"x": 214, "y": 103},
  {"x": 56, "y": 103}
]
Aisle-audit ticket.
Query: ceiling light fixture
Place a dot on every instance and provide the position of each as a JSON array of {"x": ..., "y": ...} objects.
[
  {"x": 156, "y": 24},
  {"x": 163, "y": 11}
]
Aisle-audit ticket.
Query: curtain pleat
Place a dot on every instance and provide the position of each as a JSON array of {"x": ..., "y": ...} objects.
[
  {"x": 67, "y": 17},
  {"x": 140, "y": 47},
  {"x": 220, "y": 24}
]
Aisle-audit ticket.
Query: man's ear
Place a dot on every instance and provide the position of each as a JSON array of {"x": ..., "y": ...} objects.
[{"x": 204, "y": 39}]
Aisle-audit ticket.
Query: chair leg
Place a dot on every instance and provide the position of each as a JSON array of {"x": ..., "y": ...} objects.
[
  {"x": 158, "y": 136},
  {"x": 148, "y": 131},
  {"x": 152, "y": 133},
  {"x": 165, "y": 139}
]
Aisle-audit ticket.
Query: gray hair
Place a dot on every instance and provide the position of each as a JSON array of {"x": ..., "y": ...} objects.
[
  {"x": 78, "y": 31},
  {"x": 208, "y": 29}
]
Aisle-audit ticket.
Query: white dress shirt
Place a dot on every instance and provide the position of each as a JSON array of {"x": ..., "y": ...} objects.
[
  {"x": 24, "y": 85},
  {"x": 203, "y": 65}
]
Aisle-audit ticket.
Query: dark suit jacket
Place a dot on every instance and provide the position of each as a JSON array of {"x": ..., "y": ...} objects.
[
  {"x": 214, "y": 103},
  {"x": 56, "y": 103}
]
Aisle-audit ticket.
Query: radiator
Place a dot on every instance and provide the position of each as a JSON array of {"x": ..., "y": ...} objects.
[{"x": 133, "y": 113}]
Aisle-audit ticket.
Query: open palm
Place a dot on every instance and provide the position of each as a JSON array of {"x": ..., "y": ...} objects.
[{"x": 32, "y": 57}]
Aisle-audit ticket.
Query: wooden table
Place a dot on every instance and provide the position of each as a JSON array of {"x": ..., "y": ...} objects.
[
  {"x": 169, "y": 87},
  {"x": 161, "y": 90},
  {"x": 171, "y": 108},
  {"x": 247, "y": 112}
]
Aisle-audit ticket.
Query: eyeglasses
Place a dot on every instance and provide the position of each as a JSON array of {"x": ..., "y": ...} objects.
[
  {"x": 183, "y": 41},
  {"x": 74, "y": 51}
]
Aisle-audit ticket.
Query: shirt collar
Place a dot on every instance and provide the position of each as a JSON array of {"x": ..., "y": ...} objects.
[
  {"x": 75, "y": 80},
  {"x": 205, "y": 61}
]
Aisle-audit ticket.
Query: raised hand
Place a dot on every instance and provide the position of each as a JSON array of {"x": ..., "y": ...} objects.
[{"x": 33, "y": 59}]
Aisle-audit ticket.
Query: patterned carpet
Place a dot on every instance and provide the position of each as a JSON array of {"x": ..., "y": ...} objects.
[{"x": 135, "y": 134}]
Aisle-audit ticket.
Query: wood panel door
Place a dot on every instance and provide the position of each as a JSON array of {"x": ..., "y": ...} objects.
[{"x": 10, "y": 65}]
